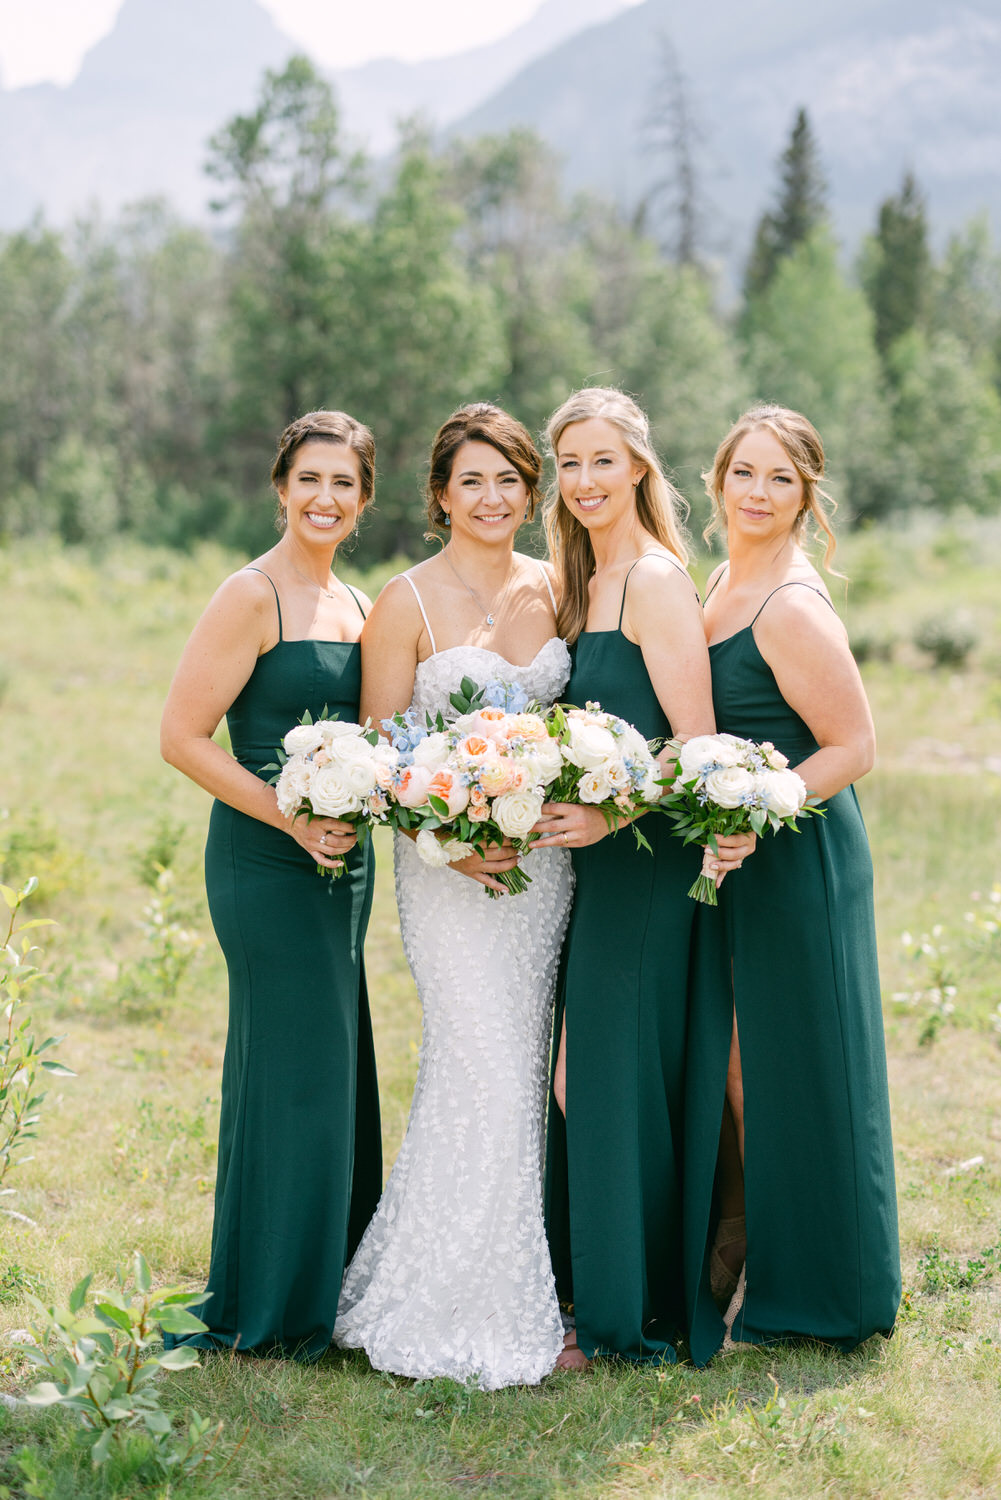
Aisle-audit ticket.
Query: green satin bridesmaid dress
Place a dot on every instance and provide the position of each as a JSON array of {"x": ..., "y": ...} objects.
[
  {"x": 300, "y": 1157},
  {"x": 792, "y": 945},
  {"x": 613, "y": 1184}
]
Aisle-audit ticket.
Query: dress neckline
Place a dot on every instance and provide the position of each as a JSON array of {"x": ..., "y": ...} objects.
[
  {"x": 306, "y": 640},
  {"x": 486, "y": 651}
]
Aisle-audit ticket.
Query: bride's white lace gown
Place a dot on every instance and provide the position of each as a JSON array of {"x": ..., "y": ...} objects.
[{"x": 453, "y": 1276}]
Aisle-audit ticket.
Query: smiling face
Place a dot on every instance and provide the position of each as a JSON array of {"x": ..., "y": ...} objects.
[
  {"x": 485, "y": 497},
  {"x": 597, "y": 473},
  {"x": 322, "y": 492},
  {"x": 762, "y": 489}
]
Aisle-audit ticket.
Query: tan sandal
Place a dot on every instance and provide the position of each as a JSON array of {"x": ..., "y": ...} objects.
[
  {"x": 723, "y": 1278},
  {"x": 730, "y": 1345},
  {"x": 572, "y": 1356}
]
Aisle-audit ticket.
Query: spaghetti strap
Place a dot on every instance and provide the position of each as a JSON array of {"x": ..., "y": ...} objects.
[
  {"x": 278, "y": 604},
  {"x": 794, "y": 583},
  {"x": 549, "y": 588},
  {"x": 667, "y": 558},
  {"x": 420, "y": 606},
  {"x": 722, "y": 574},
  {"x": 356, "y": 600}
]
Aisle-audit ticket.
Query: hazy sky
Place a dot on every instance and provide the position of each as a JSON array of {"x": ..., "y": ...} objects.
[{"x": 46, "y": 39}]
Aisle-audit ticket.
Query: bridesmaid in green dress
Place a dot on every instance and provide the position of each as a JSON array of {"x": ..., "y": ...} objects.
[
  {"x": 786, "y": 1041},
  {"x": 632, "y": 616},
  {"x": 300, "y": 1167}
]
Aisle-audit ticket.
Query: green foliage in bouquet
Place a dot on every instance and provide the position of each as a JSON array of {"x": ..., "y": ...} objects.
[
  {"x": 102, "y": 1362},
  {"x": 21, "y": 1059}
]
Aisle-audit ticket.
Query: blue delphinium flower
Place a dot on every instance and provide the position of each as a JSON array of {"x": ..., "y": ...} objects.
[{"x": 510, "y": 696}]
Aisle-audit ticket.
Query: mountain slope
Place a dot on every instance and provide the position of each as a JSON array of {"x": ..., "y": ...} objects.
[{"x": 135, "y": 120}]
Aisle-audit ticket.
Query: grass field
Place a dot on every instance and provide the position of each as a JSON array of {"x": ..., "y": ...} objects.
[{"x": 125, "y": 1157}]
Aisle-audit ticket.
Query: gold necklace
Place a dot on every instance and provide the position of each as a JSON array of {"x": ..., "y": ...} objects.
[
  {"x": 330, "y": 594},
  {"x": 488, "y": 614}
]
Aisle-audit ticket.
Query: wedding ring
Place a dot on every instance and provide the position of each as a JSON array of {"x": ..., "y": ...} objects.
[
  {"x": 566, "y": 837},
  {"x": 323, "y": 838}
]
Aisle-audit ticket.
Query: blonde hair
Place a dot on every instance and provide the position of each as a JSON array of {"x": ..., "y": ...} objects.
[
  {"x": 802, "y": 444},
  {"x": 659, "y": 506}
]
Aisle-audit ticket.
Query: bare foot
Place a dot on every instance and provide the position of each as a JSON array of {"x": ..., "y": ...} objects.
[{"x": 572, "y": 1357}]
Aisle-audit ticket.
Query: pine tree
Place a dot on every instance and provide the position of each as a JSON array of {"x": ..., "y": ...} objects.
[
  {"x": 673, "y": 136},
  {"x": 897, "y": 286},
  {"x": 801, "y": 207}
]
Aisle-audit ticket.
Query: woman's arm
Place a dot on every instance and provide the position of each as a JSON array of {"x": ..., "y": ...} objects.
[
  {"x": 215, "y": 666},
  {"x": 806, "y": 646},
  {"x": 663, "y": 618},
  {"x": 390, "y": 642}
]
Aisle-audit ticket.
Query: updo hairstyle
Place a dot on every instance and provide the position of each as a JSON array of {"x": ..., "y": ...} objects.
[
  {"x": 802, "y": 445},
  {"x": 480, "y": 422},
  {"x": 329, "y": 427}
]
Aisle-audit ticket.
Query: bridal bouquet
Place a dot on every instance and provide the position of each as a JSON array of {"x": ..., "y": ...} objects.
[
  {"x": 333, "y": 769},
  {"x": 477, "y": 780},
  {"x": 606, "y": 763},
  {"x": 723, "y": 784}
]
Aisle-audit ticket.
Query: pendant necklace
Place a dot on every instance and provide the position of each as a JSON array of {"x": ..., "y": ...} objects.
[
  {"x": 329, "y": 593},
  {"x": 488, "y": 614}
]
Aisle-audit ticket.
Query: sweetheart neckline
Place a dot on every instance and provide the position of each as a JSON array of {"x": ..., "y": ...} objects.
[{"x": 486, "y": 651}]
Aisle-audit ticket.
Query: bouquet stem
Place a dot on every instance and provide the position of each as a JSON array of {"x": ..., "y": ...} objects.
[
  {"x": 705, "y": 886},
  {"x": 704, "y": 890},
  {"x": 515, "y": 881}
]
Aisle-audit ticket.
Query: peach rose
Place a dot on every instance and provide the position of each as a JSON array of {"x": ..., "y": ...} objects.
[
  {"x": 499, "y": 776},
  {"x": 446, "y": 785},
  {"x": 475, "y": 747},
  {"x": 488, "y": 722},
  {"x": 411, "y": 789}
]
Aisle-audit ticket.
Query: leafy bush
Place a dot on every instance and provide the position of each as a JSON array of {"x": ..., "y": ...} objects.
[
  {"x": 102, "y": 1363},
  {"x": 21, "y": 1060},
  {"x": 948, "y": 638}
]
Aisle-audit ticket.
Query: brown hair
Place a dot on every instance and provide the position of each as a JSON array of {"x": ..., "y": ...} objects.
[
  {"x": 801, "y": 442},
  {"x": 659, "y": 506},
  {"x": 328, "y": 427},
  {"x": 480, "y": 422}
]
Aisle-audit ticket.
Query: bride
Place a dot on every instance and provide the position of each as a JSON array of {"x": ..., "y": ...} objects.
[{"x": 453, "y": 1276}]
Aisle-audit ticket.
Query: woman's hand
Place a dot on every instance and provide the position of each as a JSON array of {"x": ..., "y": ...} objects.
[
  {"x": 568, "y": 825},
  {"x": 483, "y": 868},
  {"x": 323, "y": 838},
  {"x": 734, "y": 848}
]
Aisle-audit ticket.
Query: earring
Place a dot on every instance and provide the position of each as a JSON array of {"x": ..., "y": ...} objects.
[{"x": 448, "y": 519}]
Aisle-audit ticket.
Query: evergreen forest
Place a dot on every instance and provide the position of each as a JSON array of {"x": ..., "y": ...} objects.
[{"x": 149, "y": 364}]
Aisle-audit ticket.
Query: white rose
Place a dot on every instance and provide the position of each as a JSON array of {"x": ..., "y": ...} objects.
[
  {"x": 544, "y": 760},
  {"x": 293, "y": 785},
  {"x": 335, "y": 729},
  {"x": 774, "y": 759},
  {"x": 649, "y": 788},
  {"x": 350, "y": 748},
  {"x": 697, "y": 753},
  {"x": 516, "y": 813},
  {"x": 330, "y": 795},
  {"x": 590, "y": 745},
  {"x": 455, "y": 849},
  {"x": 785, "y": 793},
  {"x": 594, "y": 786},
  {"x": 631, "y": 743},
  {"x": 432, "y": 751},
  {"x": 430, "y": 850},
  {"x": 618, "y": 777},
  {"x": 729, "y": 786},
  {"x": 303, "y": 739},
  {"x": 359, "y": 776}
]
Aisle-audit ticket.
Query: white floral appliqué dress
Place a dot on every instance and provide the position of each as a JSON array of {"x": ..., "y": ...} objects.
[{"x": 453, "y": 1275}]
